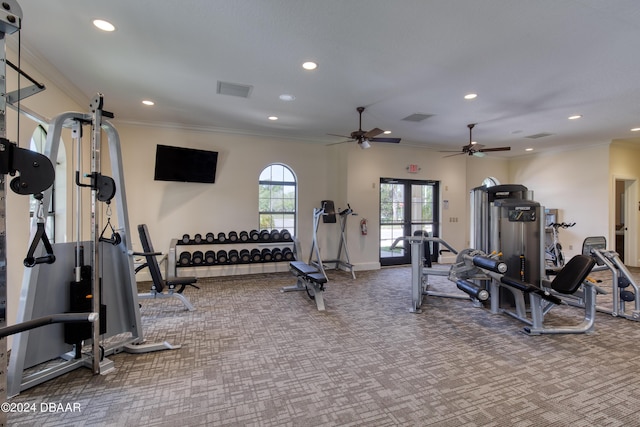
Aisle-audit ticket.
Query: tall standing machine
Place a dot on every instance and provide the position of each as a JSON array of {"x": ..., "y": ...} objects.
[{"x": 505, "y": 220}]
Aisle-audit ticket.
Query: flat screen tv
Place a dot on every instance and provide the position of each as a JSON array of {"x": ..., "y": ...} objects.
[{"x": 185, "y": 164}]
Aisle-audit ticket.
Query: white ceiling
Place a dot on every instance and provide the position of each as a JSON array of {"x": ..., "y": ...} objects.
[{"x": 532, "y": 63}]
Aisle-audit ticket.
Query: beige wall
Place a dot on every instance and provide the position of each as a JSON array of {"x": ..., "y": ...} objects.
[
  {"x": 171, "y": 209},
  {"x": 623, "y": 165},
  {"x": 576, "y": 183}
]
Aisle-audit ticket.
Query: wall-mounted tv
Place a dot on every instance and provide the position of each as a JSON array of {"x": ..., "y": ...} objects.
[{"x": 185, "y": 164}]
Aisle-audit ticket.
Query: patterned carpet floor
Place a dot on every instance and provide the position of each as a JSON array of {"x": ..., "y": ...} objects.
[{"x": 253, "y": 356}]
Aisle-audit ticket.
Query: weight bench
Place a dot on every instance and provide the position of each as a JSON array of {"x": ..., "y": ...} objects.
[
  {"x": 158, "y": 285},
  {"x": 309, "y": 279}
]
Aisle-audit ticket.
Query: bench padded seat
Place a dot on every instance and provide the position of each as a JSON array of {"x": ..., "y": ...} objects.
[{"x": 309, "y": 272}]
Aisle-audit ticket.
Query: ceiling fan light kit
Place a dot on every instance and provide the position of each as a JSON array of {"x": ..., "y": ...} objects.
[
  {"x": 364, "y": 138},
  {"x": 473, "y": 148}
]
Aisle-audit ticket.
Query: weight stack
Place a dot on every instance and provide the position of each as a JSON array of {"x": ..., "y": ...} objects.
[{"x": 81, "y": 301}]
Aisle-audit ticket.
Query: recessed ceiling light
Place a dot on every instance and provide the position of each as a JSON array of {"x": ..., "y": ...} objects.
[
  {"x": 273, "y": 118},
  {"x": 148, "y": 102},
  {"x": 577, "y": 116},
  {"x": 309, "y": 65},
  {"x": 471, "y": 96},
  {"x": 528, "y": 149},
  {"x": 287, "y": 97},
  {"x": 387, "y": 132},
  {"x": 104, "y": 25},
  {"x": 635, "y": 129}
]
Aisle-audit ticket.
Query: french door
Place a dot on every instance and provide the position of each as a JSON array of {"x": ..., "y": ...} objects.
[{"x": 407, "y": 208}]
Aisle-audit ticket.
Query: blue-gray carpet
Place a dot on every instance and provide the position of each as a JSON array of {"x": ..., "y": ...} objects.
[{"x": 253, "y": 356}]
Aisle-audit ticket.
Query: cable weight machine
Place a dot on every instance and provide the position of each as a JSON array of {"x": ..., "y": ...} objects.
[
  {"x": 328, "y": 215},
  {"x": 105, "y": 284}
]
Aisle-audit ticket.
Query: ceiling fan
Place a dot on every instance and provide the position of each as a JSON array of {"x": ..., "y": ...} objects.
[
  {"x": 363, "y": 138},
  {"x": 473, "y": 149}
]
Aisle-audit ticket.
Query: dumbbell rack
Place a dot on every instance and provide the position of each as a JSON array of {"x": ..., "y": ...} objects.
[{"x": 221, "y": 242}]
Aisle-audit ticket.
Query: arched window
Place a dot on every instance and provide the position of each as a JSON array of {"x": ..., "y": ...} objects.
[
  {"x": 490, "y": 181},
  {"x": 277, "y": 198}
]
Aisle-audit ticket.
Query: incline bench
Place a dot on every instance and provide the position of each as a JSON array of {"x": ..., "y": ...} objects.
[{"x": 310, "y": 279}]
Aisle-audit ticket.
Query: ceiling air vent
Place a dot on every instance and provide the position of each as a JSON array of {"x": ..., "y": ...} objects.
[
  {"x": 417, "y": 117},
  {"x": 539, "y": 135},
  {"x": 234, "y": 89}
]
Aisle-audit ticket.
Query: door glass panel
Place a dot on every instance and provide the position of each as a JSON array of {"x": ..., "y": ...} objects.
[
  {"x": 391, "y": 220},
  {"x": 407, "y": 208}
]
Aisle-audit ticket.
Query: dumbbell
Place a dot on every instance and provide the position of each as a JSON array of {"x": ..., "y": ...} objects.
[
  {"x": 232, "y": 236},
  {"x": 197, "y": 258},
  {"x": 222, "y": 257},
  {"x": 274, "y": 235},
  {"x": 265, "y": 235},
  {"x": 197, "y": 238},
  {"x": 254, "y": 235},
  {"x": 234, "y": 256},
  {"x": 285, "y": 235},
  {"x": 210, "y": 237},
  {"x": 222, "y": 238},
  {"x": 287, "y": 254},
  {"x": 244, "y": 236},
  {"x": 245, "y": 256},
  {"x": 266, "y": 255},
  {"x": 210, "y": 257},
  {"x": 256, "y": 255},
  {"x": 276, "y": 253},
  {"x": 186, "y": 239},
  {"x": 184, "y": 258}
]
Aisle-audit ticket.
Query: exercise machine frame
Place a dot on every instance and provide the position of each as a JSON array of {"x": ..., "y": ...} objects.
[
  {"x": 315, "y": 258},
  {"x": 610, "y": 260},
  {"x": 45, "y": 287}
]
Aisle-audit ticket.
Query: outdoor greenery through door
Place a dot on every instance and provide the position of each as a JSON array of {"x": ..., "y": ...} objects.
[{"x": 407, "y": 207}]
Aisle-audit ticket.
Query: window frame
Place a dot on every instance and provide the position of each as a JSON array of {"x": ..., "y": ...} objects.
[{"x": 284, "y": 183}]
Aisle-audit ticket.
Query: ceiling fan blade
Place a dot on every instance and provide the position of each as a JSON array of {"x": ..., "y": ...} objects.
[
  {"x": 341, "y": 142},
  {"x": 451, "y": 155},
  {"x": 495, "y": 149},
  {"x": 373, "y": 132},
  {"x": 341, "y": 136},
  {"x": 392, "y": 140}
]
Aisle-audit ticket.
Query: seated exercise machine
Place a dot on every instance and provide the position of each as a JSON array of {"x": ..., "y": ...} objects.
[
  {"x": 158, "y": 283},
  {"x": 621, "y": 279},
  {"x": 570, "y": 279},
  {"x": 420, "y": 274}
]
